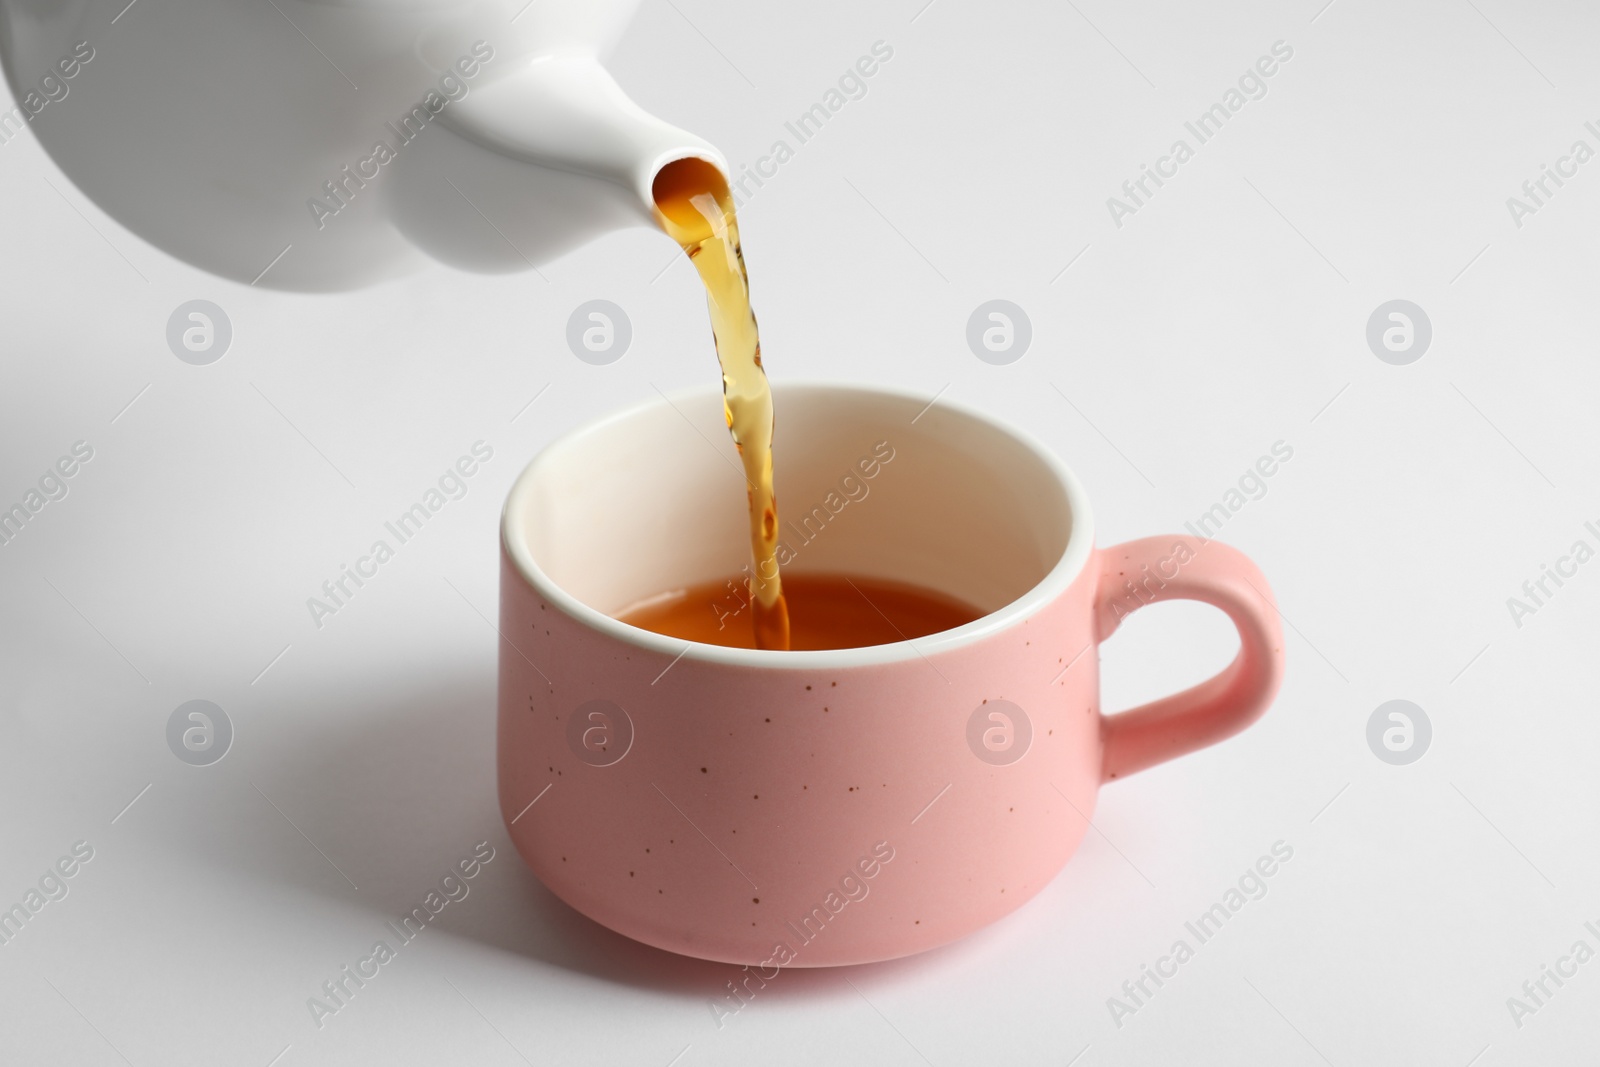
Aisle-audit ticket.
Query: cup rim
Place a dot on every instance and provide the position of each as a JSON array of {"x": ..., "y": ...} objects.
[{"x": 1062, "y": 574}]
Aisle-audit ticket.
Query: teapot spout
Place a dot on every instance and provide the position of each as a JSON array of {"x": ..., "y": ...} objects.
[{"x": 568, "y": 113}]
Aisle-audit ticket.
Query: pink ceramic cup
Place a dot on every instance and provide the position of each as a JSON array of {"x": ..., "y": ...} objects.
[{"x": 821, "y": 808}]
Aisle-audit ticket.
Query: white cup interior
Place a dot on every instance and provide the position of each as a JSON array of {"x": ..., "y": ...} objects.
[{"x": 652, "y": 500}]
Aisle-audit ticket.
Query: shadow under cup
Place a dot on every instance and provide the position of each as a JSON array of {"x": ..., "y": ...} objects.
[{"x": 807, "y": 808}]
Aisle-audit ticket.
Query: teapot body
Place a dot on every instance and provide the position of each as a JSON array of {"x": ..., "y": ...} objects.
[{"x": 310, "y": 144}]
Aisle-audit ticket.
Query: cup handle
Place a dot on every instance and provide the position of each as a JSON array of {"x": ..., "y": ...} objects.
[{"x": 1153, "y": 569}]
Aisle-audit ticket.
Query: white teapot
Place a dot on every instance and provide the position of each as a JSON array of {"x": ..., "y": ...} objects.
[{"x": 328, "y": 144}]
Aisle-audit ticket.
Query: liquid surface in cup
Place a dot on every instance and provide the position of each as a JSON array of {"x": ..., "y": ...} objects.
[
  {"x": 695, "y": 208},
  {"x": 825, "y": 611}
]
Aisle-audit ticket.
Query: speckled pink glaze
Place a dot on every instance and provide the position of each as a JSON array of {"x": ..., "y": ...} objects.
[{"x": 750, "y": 816}]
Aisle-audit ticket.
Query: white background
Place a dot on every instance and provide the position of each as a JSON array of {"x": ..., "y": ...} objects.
[{"x": 1228, "y": 314}]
